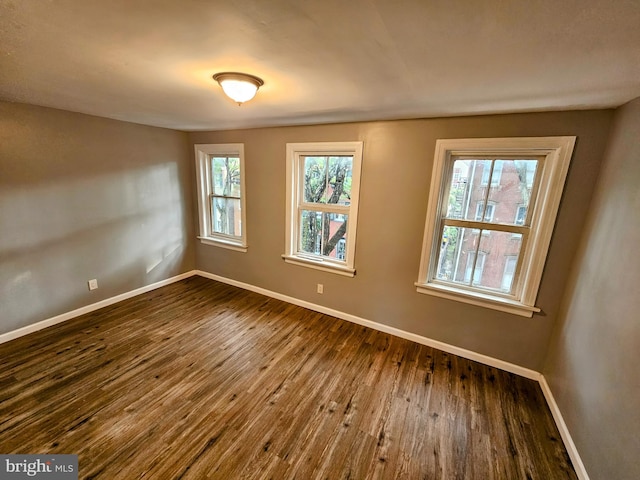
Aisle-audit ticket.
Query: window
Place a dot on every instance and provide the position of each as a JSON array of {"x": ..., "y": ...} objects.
[
  {"x": 482, "y": 213},
  {"x": 221, "y": 203},
  {"x": 323, "y": 183},
  {"x": 502, "y": 267},
  {"x": 341, "y": 252},
  {"x": 509, "y": 271},
  {"x": 490, "y": 169},
  {"x": 521, "y": 214}
]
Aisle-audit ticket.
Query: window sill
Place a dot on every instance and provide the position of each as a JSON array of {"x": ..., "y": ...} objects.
[
  {"x": 217, "y": 242},
  {"x": 319, "y": 265},
  {"x": 482, "y": 300}
]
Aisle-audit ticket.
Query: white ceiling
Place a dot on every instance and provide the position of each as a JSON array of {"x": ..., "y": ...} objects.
[{"x": 151, "y": 61}]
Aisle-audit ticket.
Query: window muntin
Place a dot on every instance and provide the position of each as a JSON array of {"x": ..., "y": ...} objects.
[
  {"x": 487, "y": 236},
  {"x": 322, "y": 187},
  {"x": 221, "y": 203}
]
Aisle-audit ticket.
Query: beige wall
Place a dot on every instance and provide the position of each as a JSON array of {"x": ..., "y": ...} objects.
[
  {"x": 593, "y": 364},
  {"x": 83, "y": 197},
  {"x": 397, "y": 163}
]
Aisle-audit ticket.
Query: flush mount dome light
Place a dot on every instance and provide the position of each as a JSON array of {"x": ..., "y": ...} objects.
[{"x": 240, "y": 87}]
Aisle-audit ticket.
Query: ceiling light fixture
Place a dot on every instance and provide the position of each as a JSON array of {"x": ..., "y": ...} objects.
[{"x": 240, "y": 87}]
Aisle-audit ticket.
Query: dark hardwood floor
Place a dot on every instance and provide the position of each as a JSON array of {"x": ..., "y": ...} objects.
[{"x": 203, "y": 380}]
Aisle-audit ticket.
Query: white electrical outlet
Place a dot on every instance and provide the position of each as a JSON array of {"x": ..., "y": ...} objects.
[
  {"x": 320, "y": 288},
  {"x": 93, "y": 284}
]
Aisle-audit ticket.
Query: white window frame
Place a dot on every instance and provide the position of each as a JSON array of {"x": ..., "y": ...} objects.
[
  {"x": 295, "y": 157},
  {"x": 204, "y": 152},
  {"x": 557, "y": 152}
]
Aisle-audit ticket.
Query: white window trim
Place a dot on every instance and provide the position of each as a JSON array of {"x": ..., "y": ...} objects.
[
  {"x": 203, "y": 173},
  {"x": 291, "y": 255},
  {"x": 558, "y": 152}
]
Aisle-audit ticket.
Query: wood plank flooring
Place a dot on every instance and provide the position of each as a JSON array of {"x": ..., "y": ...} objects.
[{"x": 201, "y": 380}]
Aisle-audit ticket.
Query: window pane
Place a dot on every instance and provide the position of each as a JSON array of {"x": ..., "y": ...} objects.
[
  {"x": 323, "y": 234},
  {"x": 508, "y": 197},
  {"x": 511, "y": 200},
  {"x": 451, "y": 260},
  {"x": 225, "y": 176},
  {"x": 327, "y": 179},
  {"x": 496, "y": 250},
  {"x": 315, "y": 179},
  {"x": 497, "y": 255},
  {"x": 226, "y": 216},
  {"x": 340, "y": 179},
  {"x": 310, "y": 232},
  {"x": 466, "y": 190},
  {"x": 335, "y": 242}
]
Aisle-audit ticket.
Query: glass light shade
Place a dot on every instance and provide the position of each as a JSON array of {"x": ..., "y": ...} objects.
[
  {"x": 240, "y": 87},
  {"x": 239, "y": 91}
]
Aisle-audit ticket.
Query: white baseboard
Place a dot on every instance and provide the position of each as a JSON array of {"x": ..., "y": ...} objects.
[
  {"x": 471, "y": 355},
  {"x": 581, "y": 471},
  {"x": 5, "y": 337}
]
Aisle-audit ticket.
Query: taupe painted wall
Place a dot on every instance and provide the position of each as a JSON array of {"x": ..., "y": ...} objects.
[
  {"x": 83, "y": 197},
  {"x": 593, "y": 364},
  {"x": 397, "y": 163}
]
